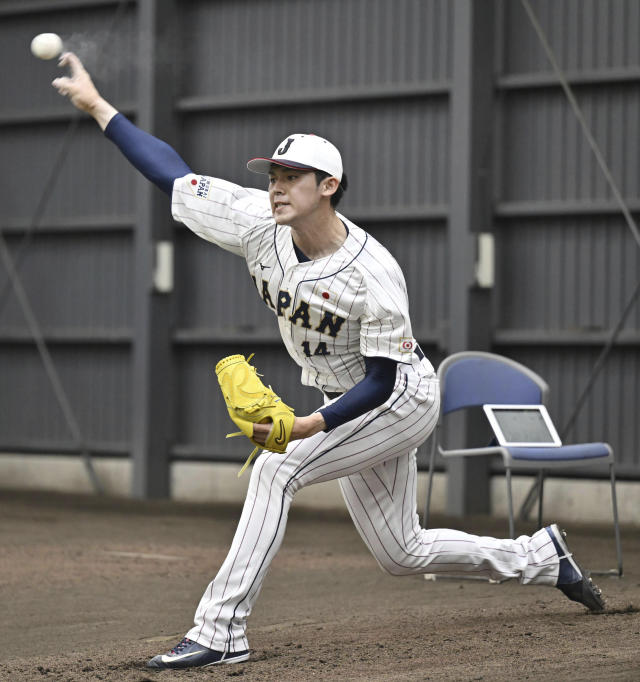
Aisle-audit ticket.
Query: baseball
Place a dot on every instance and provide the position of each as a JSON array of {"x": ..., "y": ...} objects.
[{"x": 46, "y": 45}]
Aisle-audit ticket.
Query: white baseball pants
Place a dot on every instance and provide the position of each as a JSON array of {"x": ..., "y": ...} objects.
[{"x": 374, "y": 458}]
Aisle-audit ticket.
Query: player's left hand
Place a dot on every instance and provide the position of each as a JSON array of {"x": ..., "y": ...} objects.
[{"x": 303, "y": 427}]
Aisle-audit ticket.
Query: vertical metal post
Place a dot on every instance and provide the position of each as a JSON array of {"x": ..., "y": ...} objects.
[
  {"x": 616, "y": 522},
  {"x": 469, "y": 214},
  {"x": 152, "y": 429},
  {"x": 512, "y": 529}
]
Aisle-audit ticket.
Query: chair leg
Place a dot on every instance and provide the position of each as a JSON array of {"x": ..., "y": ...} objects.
[
  {"x": 432, "y": 460},
  {"x": 616, "y": 523},
  {"x": 540, "y": 496},
  {"x": 512, "y": 533}
]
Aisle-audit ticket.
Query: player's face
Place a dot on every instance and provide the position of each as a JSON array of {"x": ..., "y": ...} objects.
[{"x": 294, "y": 194}]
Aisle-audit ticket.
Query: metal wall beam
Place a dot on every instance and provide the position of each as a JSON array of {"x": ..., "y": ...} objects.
[
  {"x": 607, "y": 77},
  {"x": 564, "y": 337},
  {"x": 563, "y": 207},
  {"x": 92, "y": 336},
  {"x": 285, "y": 98},
  {"x": 152, "y": 376},
  {"x": 44, "y": 116},
  {"x": 74, "y": 225},
  {"x": 19, "y": 7},
  {"x": 470, "y": 212}
]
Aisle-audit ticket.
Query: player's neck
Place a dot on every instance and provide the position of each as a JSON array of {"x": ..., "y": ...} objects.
[{"x": 319, "y": 236}]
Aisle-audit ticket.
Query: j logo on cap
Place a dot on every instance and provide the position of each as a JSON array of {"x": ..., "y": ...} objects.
[{"x": 283, "y": 150}]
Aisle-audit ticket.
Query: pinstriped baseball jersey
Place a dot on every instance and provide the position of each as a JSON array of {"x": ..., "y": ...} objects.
[{"x": 330, "y": 311}]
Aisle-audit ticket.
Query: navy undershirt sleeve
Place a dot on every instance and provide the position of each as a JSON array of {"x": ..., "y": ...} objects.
[
  {"x": 155, "y": 159},
  {"x": 373, "y": 390}
]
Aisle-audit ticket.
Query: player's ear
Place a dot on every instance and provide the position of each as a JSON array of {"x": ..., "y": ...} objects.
[{"x": 329, "y": 186}]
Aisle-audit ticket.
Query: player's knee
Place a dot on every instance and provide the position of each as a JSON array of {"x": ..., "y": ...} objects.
[
  {"x": 386, "y": 568},
  {"x": 391, "y": 566},
  {"x": 399, "y": 564}
]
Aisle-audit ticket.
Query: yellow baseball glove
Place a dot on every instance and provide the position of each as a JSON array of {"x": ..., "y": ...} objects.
[{"x": 250, "y": 402}]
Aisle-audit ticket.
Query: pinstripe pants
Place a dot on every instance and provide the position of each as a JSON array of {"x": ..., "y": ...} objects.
[{"x": 374, "y": 458}]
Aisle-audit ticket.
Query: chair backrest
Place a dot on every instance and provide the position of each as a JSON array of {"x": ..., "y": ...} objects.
[{"x": 474, "y": 378}]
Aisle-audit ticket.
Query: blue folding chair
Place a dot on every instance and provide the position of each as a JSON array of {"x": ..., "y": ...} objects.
[{"x": 473, "y": 379}]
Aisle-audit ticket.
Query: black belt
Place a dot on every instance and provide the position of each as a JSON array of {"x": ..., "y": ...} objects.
[{"x": 417, "y": 350}]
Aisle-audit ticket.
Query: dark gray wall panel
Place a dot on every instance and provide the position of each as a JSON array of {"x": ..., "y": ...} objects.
[
  {"x": 421, "y": 251},
  {"x": 75, "y": 283},
  {"x": 395, "y": 153},
  {"x": 374, "y": 76},
  {"x": 545, "y": 155},
  {"x": 96, "y": 381},
  {"x": 94, "y": 181},
  {"x": 571, "y": 274},
  {"x": 214, "y": 290},
  {"x": 231, "y": 47},
  {"x": 566, "y": 262},
  {"x": 584, "y": 34}
]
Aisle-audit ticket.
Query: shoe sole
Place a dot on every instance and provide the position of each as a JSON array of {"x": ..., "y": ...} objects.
[
  {"x": 224, "y": 661},
  {"x": 583, "y": 591},
  {"x": 586, "y": 593},
  {"x": 234, "y": 659}
]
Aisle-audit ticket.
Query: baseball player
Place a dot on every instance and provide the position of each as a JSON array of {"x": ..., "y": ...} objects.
[{"x": 340, "y": 302}]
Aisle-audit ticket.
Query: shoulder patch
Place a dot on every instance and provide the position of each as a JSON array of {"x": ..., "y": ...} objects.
[
  {"x": 407, "y": 345},
  {"x": 200, "y": 186}
]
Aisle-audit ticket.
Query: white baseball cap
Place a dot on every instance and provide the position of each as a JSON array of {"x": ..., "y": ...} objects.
[{"x": 304, "y": 151}]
